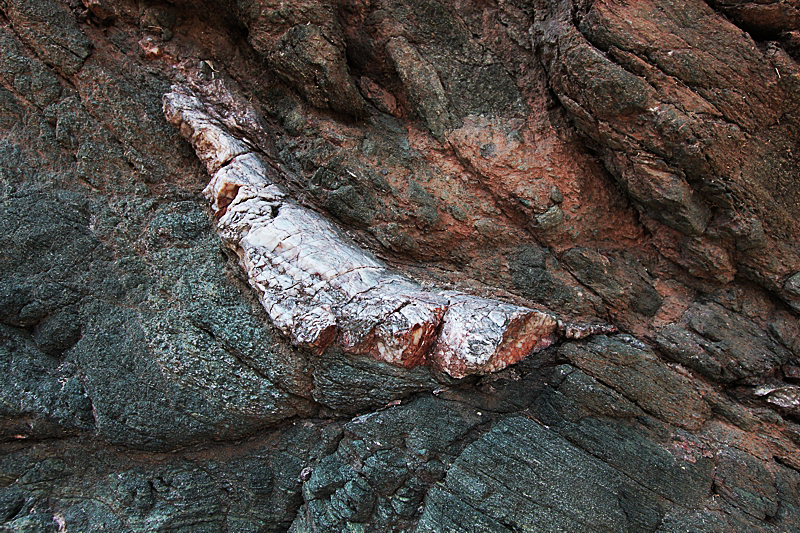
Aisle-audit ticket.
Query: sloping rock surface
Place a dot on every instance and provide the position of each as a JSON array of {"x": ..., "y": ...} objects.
[{"x": 588, "y": 205}]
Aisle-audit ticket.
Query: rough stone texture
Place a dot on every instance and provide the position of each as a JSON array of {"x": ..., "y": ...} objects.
[
  {"x": 251, "y": 487},
  {"x": 628, "y": 366},
  {"x": 771, "y": 18},
  {"x": 673, "y": 117},
  {"x": 722, "y": 345},
  {"x": 385, "y": 463},
  {"x": 49, "y": 27},
  {"x": 521, "y": 471},
  {"x": 319, "y": 288},
  {"x": 423, "y": 86},
  {"x": 629, "y": 166},
  {"x": 479, "y": 336},
  {"x": 619, "y": 282},
  {"x": 306, "y": 58}
]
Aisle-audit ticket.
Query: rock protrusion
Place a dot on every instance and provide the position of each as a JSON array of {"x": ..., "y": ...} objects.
[
  {"x": 423, "y": 85},
  {"x": 311, "y": 62},
  {"x": 320, "y": 289},
  {"x": 505, "y": 334},
  {"x": 694, "y": 128}
]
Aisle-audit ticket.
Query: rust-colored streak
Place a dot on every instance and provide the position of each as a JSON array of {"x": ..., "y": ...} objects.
[
  {"x": 225, "y": 196},
  {"x": 525, "y": 334}
]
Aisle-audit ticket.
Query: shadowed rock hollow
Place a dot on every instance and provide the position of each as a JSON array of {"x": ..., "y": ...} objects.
[{"x": 406, "y": 199}]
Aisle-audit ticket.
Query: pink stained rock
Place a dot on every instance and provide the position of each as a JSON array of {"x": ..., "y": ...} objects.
[{"x": 481, "y": 336}]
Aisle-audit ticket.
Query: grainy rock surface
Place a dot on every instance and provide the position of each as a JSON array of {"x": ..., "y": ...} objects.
[{"x": 631, "y": 164}]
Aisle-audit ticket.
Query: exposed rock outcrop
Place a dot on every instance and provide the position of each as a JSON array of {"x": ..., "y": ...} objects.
[
  {"x": 406, "y": 200},
  {"x": 694, "y": 126},
  {"x": 320, "y": 289}
]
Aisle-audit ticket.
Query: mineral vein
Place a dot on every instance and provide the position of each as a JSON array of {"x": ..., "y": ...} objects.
[{"x": 321, "y": 289}]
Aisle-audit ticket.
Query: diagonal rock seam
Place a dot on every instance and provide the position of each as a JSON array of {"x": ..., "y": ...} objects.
[{"x": 320, "y": 289}]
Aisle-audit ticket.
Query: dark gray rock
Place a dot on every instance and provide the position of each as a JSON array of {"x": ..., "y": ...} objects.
[
  {"x": 787, "y": 480},
  {"x": 426, "y": 212},
  {"x": 48, "y": 28},
  {"x": 585, "y": 456},
  {"x": 620, "y": 281},
  {"x": 59, "y": 331},
  {"x": 130, "y": 111},
  {"x": 27, "y": 75},
  {"x": 447, "y": 512},
  {"x": 631, "y": 368},
  {"x": 256, "y": 488},
  {"x": 655, "y": 466},
  {"x": 37, "y": 522},
  {"x": 311, "y": 62},
  {"x": 44, "y": 398},
  {"x": 535, "y": 276},
  {"x": 100, "y": 158},
  {"x": 352, "y": 384},
  {"x": 48, "y": 265},
  {"x": 744, "y": 482},
  {"x": 192, "y": 370},
  {"x": 157, "y": 361},
  {"x": 422, "y": 83},
  {"x": 722, "y": 345},
  {"x": 113, "y": 321},
  {"x": 522, "y": 475},
  {"x": 384, "y": 465},
  {"x": 11, "y": 503},
  {"x": 474, "y": 82},
  {"x": 593, "y": 397},
  {"x": 304, "y": 45},
  {"x": 345, "y": 188},
  {"x": 145, "y": 390}
]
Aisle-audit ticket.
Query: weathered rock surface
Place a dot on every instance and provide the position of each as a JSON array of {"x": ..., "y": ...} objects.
[
  {"x": 722, "y": 345},
  {"x": 319, "y": 288},
  {"x": 691, "y": 126},
  {"x": 50, "y": 29},
  {"x": 627, "y": 165}
]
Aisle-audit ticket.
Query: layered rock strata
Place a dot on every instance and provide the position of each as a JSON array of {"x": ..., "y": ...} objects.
[
  {"x": 320, "y": 289},
  {"x": 147, "y": 390},
  {"x": 698, "y": 131}
]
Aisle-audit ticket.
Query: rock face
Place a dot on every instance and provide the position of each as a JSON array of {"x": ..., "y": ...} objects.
[
  {"x": 319, "y": 288},
  {"x": 692, "y": 127},
  {"x": 501, "y": 267}
]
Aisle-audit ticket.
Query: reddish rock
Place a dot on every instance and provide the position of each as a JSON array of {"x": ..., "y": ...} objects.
[
  {"x": 762, "y": 18},
  {"x": 687, "y": 110},
  {"x": 403, "y": 183}
]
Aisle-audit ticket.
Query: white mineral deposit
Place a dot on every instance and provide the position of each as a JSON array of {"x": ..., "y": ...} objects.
[{"x": 318, "y": 287}]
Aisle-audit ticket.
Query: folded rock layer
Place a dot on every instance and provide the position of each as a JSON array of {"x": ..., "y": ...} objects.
[{"x": 320, "y": 289}]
